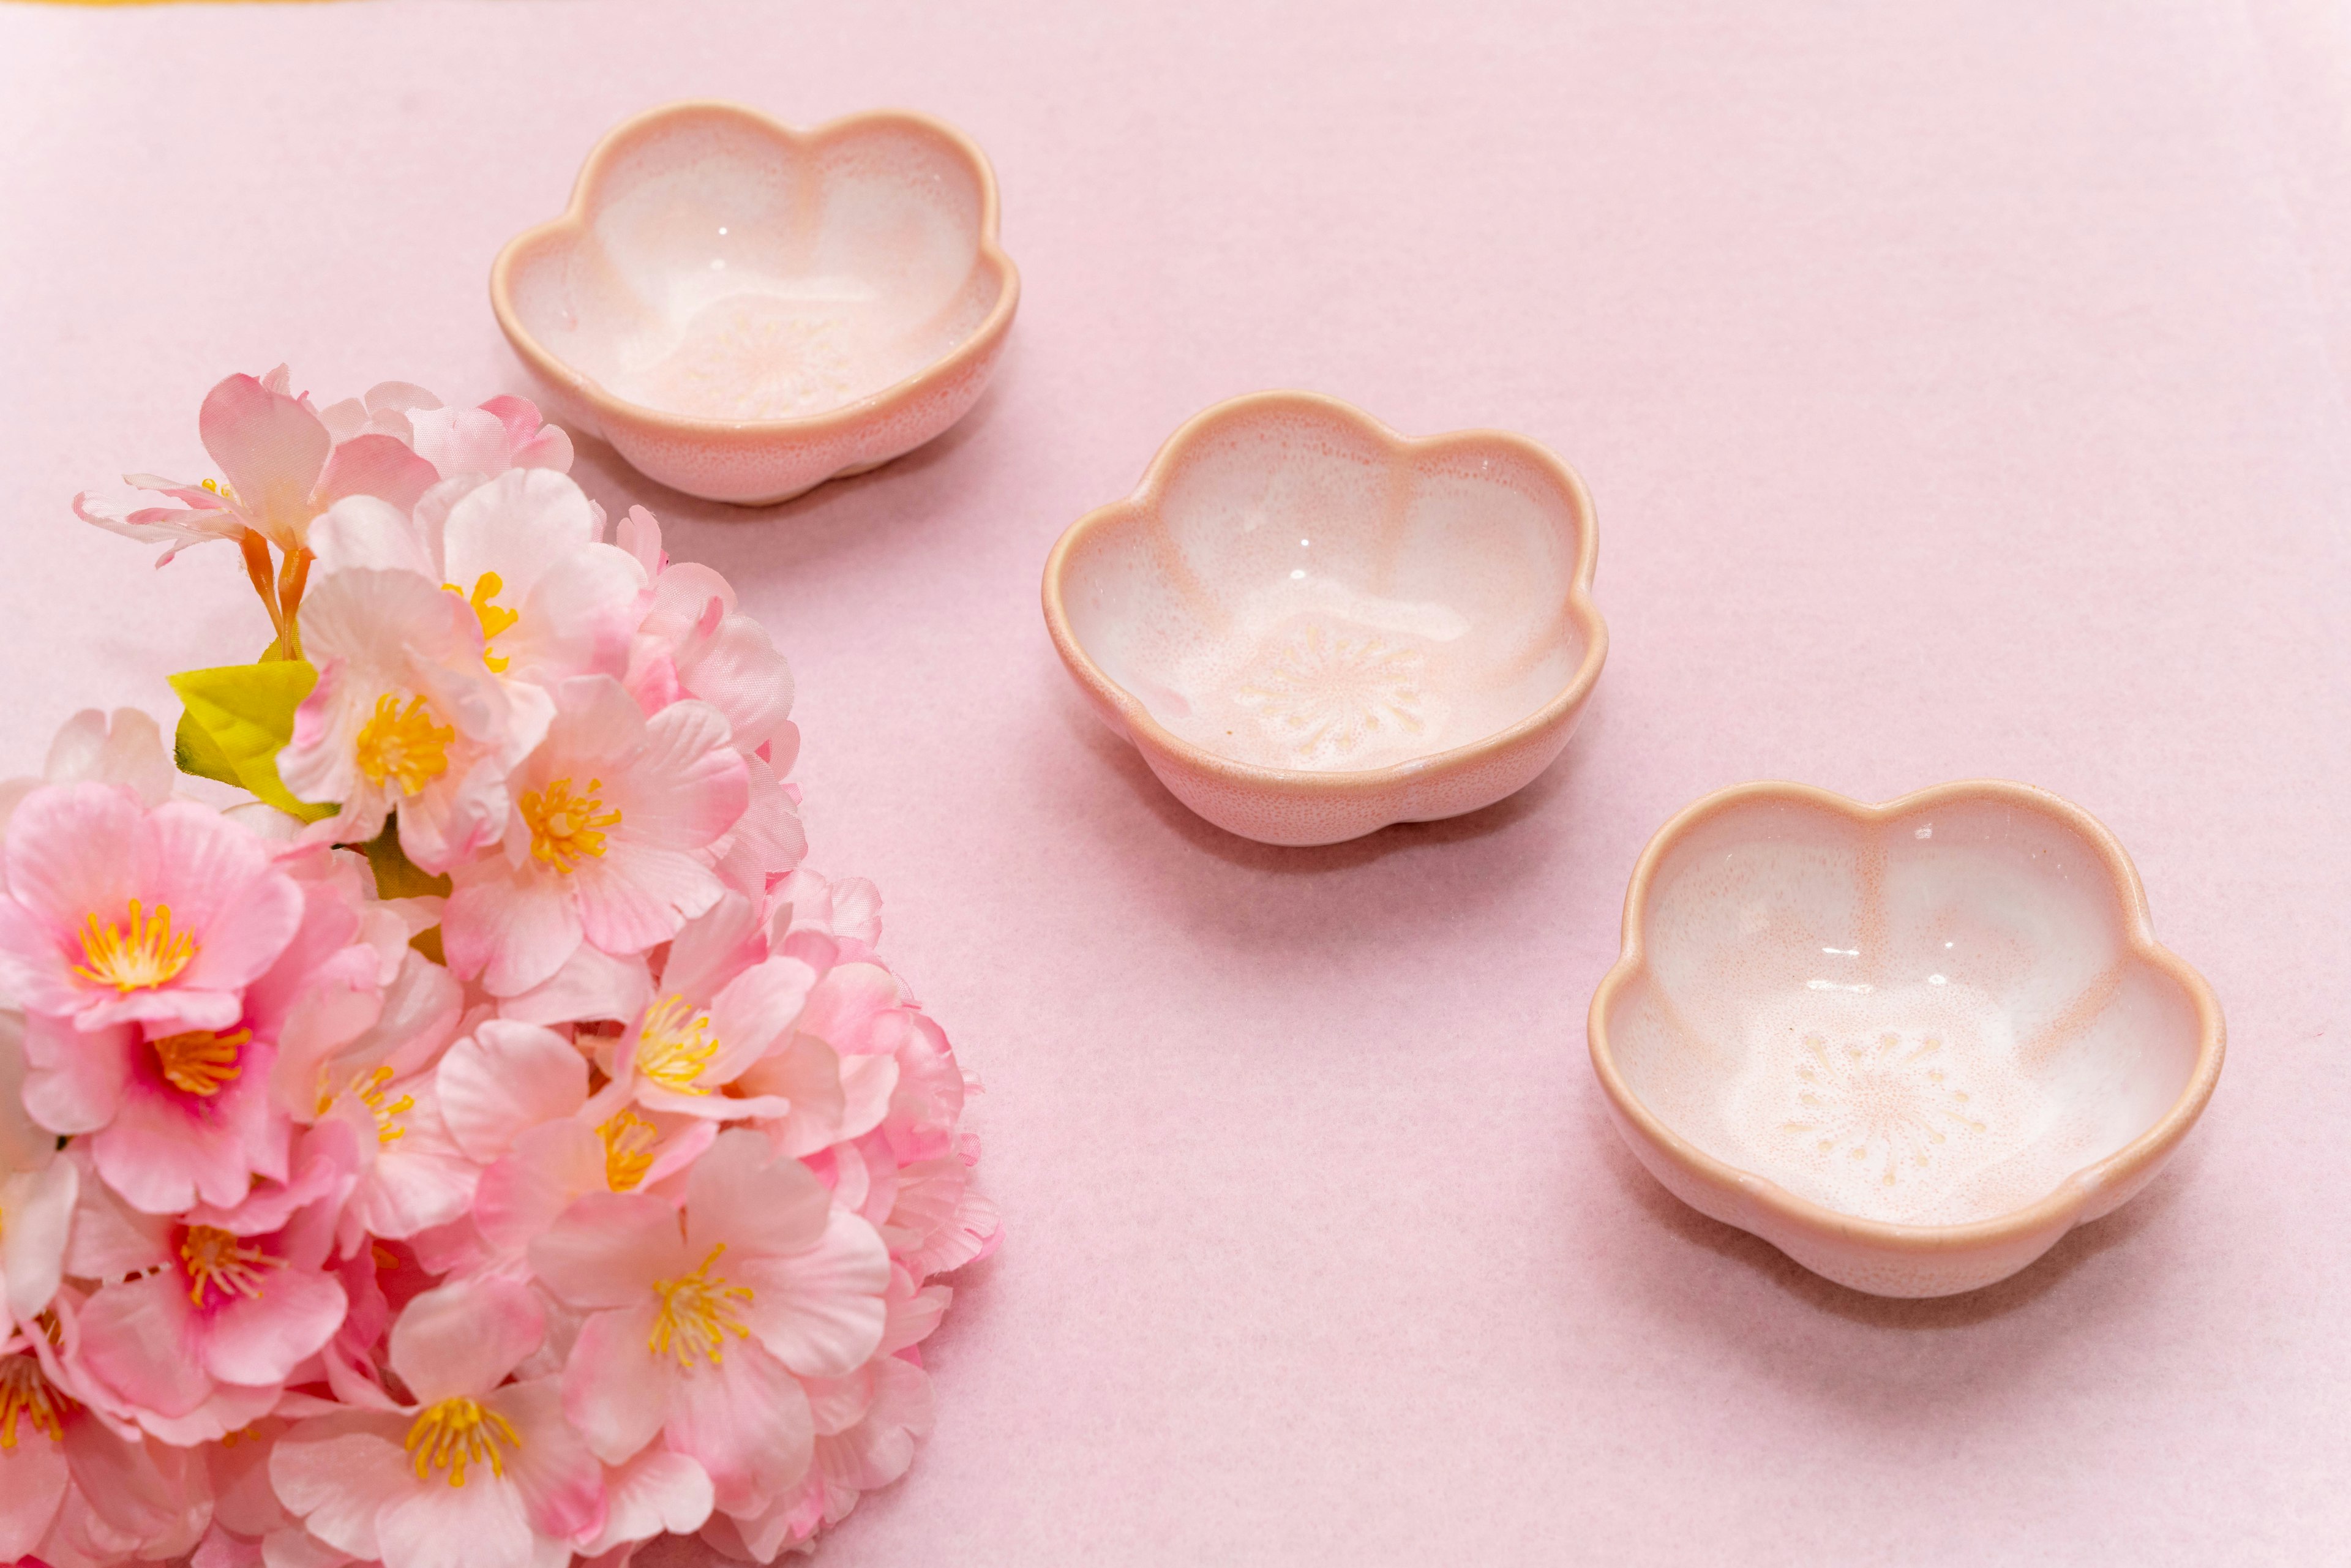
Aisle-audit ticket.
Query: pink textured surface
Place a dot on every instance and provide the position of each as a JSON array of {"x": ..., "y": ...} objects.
[{"x": 1960, "y": 388}]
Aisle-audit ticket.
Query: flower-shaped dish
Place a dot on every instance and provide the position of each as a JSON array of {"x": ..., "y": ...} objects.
[
  {"x": 1312, "y": 627},
  {"x": 1909, "y": 1045},
  {"x": 744, "y": 310}
]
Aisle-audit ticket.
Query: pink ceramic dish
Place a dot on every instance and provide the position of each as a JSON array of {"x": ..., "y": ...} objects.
[
  {"x": 1312, "y": 627},
  {"x": 1910, "y": 1045},
  {"x": 744, "y": 310}
]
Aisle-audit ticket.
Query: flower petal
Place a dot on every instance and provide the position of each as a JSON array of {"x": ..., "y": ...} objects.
[
  {"x": 375, "y": 464},
  {"x": 138, "y": 1338},
  {"x": 504, "y": 1078},
  {"x": 363, "y": 532},
  {"x": 561, "y": 1484},
  {"x": 271, "y": 448},
  {"x": 512, "y": 928},
  {"x": 608, "y": 1249},
  {"x": 742, "y": 1195},
  {"x": 746, "y": 1421},
  {"x": 479, "y": 1525},
  {"x": 258, "y": 1340},
  {"x": 36, "y": 1210},
  {"x": 821, "y": 1311},
  {"x": 656, "y": 1493},
  {"x": 339, "y": 1472},
  {"x": 616, "y": 1390},
  {"x": 461, "y": 1339}
]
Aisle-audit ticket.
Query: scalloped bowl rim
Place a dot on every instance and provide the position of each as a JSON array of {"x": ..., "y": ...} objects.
[
  {"x": 573, "y": 221},
  {"x": 2073, "y": 1192},
  {"x": 1147, "y": 494}
]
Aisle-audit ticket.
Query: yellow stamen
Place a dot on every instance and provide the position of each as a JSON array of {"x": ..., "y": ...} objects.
[
  {"x": 231, "y": 1265},
  {"x": 134, "y": 959},
  {"x": 220, "y": 487},
  {"x": 566, "y": 829},
  {"x": 26, "y": 1395},
  {"x": 699, "y": 1311},
  {"x": 368, "y": 1088},
  {"x": 200, "y": 1061},
  {"x": 628, "y": 1150},
  {"x": 494, "y": 618},
  {"x": 404, "y": 744},
  {"x": 674, "y": 1044},
  {"x": 456, "y": 1433}
]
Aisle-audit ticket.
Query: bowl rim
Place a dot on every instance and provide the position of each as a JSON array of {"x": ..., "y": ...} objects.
[
  {"x": 1400, "y": 450},
  {"x": 2073, "y": 1191},
  {"x": 606, "y": 404}
]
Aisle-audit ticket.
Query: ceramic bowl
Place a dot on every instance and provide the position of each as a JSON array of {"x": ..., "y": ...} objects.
[
  {"x": 1909, "y": 1045},
  {"x": 1312, "y": 627},
  {"x": 744, "y": 310}
]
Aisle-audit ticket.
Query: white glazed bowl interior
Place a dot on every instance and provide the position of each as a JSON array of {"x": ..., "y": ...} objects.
[
  {"x": 727, "y": 275},
  {"x": 1298, "y": 594},
  {"x": 1930, "y": 1020}
]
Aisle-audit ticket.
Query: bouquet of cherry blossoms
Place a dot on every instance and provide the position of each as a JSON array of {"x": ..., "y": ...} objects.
[{"x": 474, "y": 1139}]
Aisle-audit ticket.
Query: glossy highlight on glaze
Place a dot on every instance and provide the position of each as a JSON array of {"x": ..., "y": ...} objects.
[
  {"x": 744, "y": 310},
  {"x": 1911, "y": 1045},
  {"x": 1312, "y": 627}
]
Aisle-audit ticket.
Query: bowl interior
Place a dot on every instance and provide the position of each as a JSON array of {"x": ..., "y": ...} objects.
[
  {"x": 724, "y": 271},
  {"x": 1932, "y": 1018},
  {"x": 1299, "y": 592}
]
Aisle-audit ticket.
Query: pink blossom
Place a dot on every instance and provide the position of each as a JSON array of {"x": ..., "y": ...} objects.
[
  {"x": 504, "y": 433},
  {"x": 33, "y": 1474},
  {"x": 250, "y": 1528},
  {"x": 766, "y": 842},
  {"x": 406, "y": 717},
  {"x": 697, "y": 1324},
  {"x": 37, "y": 1191},
  {"x": 387, "y": 408},
  {"x": 515, "y": 1099},
  {"x": 613, "y": 818},
  {"x": 123, "y": 748},
  {"x": 722, "y": 1005},
  {"x": 116, "y": 912},
  {"x": 280, "y": 465},
  {"x": 174, "y": 1116},
  {"x": 657, "y": 1493},
  {"x": 410, "y": 1174},
  {"x": 693, "y": 641},
  {"x": 825, "y": 923},
  {"x": 592, "y": 985},
  {"x": 866, "y": 1427},
  {"x": 207, "y": 1315},
  {"x": 835, "y": 1071},
  {"x": 84, "y": 1494},
  {"x": 478, "y": 1472},
  {"x": 522, "y": 551}
]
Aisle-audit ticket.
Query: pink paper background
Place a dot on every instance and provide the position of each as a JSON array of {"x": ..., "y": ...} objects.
[{"x": 1962, "y": 388}]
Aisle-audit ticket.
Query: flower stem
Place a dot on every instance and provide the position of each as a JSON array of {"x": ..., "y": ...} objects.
[
  {"x": 257, "y": 568},
  {"x": 293, "y": 575}
]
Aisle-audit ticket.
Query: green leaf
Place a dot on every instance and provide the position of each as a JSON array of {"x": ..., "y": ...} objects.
[
  {"x": 244, "y": 715},
  {"x": 397, "y": 877}
]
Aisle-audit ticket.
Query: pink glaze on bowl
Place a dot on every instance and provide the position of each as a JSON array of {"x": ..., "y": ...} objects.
[
  {"x": 1312, "y": 627},
  {"x": 744, "y": 310},
  {"x": 1909, "y": 1045}
]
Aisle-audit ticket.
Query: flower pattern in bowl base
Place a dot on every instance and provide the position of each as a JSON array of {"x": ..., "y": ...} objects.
[
  {"x": 1910, "y": 1045},
  {"x": 744, "y": 310},
  {"x": 1312, "y": 627}
]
